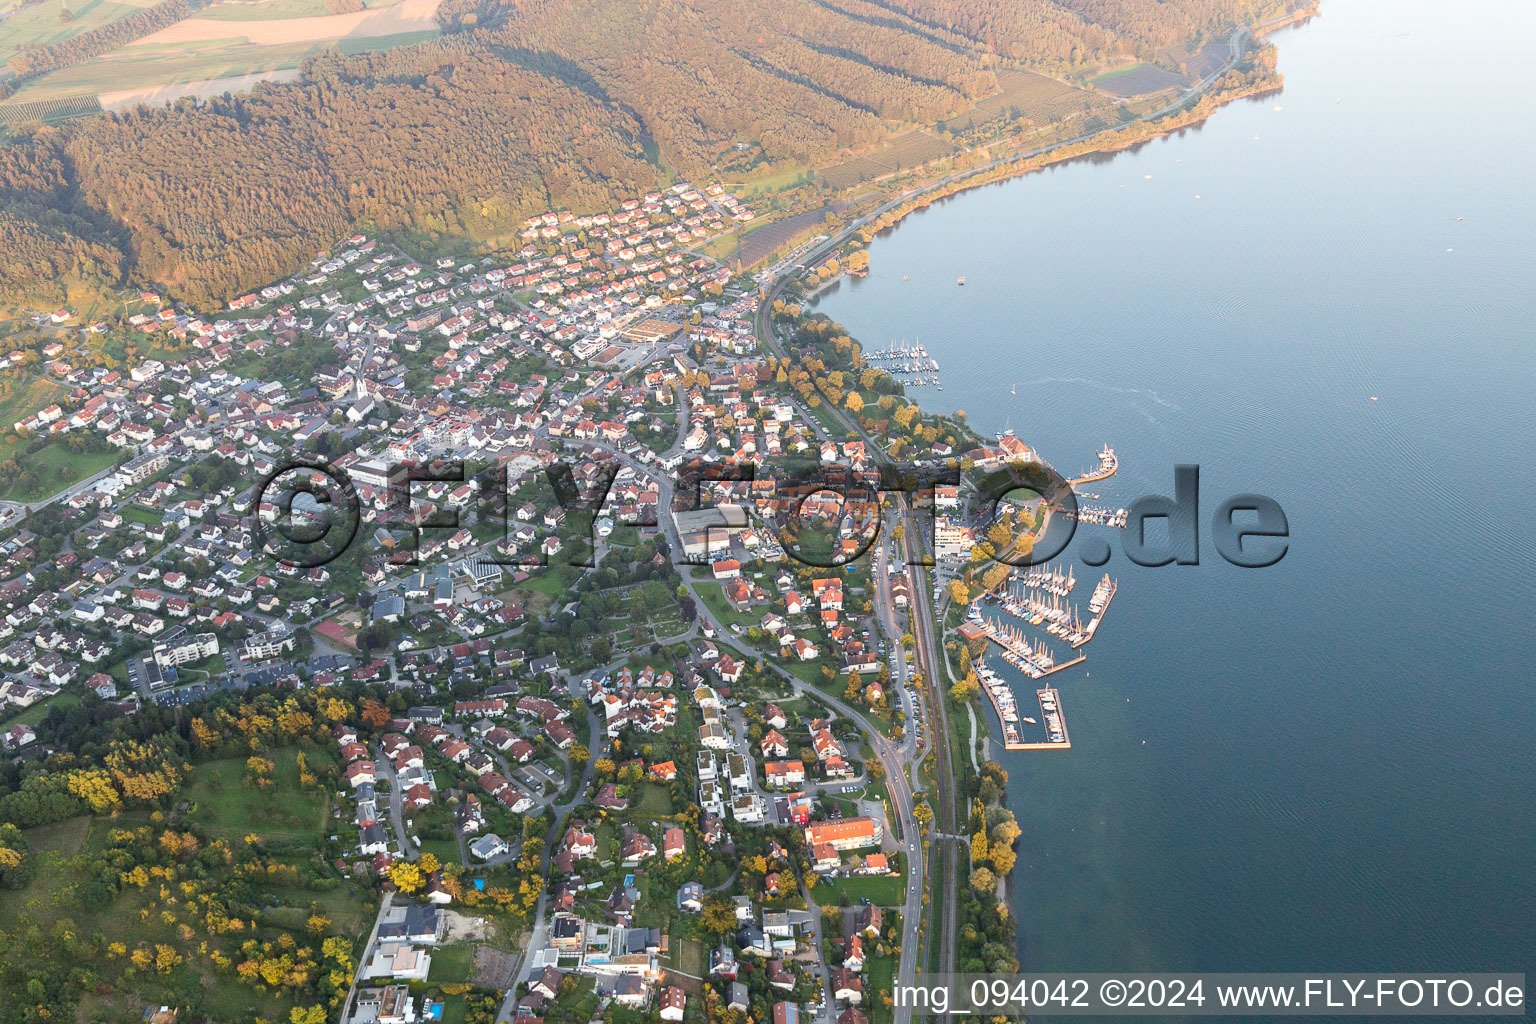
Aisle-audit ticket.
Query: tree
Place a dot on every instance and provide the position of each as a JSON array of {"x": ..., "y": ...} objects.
[
  {"x": 718, "y": 915},
  {"x": 922, "y": 814},
  {"x": 406, "y": 876},
  {"x": 375, "y": 715},
  {"x": 983, "y": 881}
]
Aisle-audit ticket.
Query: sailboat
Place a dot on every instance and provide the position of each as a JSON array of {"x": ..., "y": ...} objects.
[{"x": 960, "y": 280}]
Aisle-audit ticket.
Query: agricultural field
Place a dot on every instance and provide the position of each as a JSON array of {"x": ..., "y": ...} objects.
[
  {"x": 760, "y": 243},
  {"x": 207, "y": 56},
  {"x": 274, "y": 10},
  {"x": 43, "y": 24},
  {"x": 405, "y": 16},
  {"x": 1138, "y": 80},
  {"x": 851, "y": 172},
  {"x": 1024, "y": 94},
  {"x": 898, "y": 154},
  {"x": 1210, "y": 57},
  {"x": 912, "y": 149},
  {"x": 49, "y": 111}
]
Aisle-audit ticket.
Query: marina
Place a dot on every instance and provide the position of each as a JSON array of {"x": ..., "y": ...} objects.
[
  {"x": 909, "y": 365},
  {"x": 1102, "y": 515},
  {"x": 1032, "y": 658},
  {"x": 1056, "y": 735},
  {"x": 1003, "y": 702},
  {"x": 1038, "y": 597}
]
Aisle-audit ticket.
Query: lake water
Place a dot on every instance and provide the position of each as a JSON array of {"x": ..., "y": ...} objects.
[{"x": 1328, "y": 764}]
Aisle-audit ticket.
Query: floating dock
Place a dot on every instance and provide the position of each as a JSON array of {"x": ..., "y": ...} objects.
[
  {"x": 1099, "y": 606},
  {"x": 1022, "y": 656},
  {"x": 1057, "y": 737}
]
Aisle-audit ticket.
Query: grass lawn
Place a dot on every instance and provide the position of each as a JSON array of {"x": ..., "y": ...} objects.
[
  {"x": 224, "y": 803},
  {"x": 26, "y": 398},
  {"x": 34, "y": 714},
  {"x": 688, "y": 956},
  {"x": 53, "y": 468},
  {"x": 454, "y": 1010},
  {"x": 452, "y": 963},
  {"x": 810, "y": 672},
  {"x": 883, "y": 891},
  {"x": 65, "y": 838},
  {"x": 714, "y": 598},
  {"x": 537, "y": 592},
  {"x": 880, "y": 977},
  {"x": 446, "y": 850},
  {"x": 654, "y": 799},
  {"x": 351, "y": 906}
]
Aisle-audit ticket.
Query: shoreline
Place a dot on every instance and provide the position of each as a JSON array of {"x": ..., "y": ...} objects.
[{"x": 1192, "y": 109}]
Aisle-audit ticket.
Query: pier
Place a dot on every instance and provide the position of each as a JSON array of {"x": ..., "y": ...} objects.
[
  {"x": 908, "y": 365},
  {"x": 1037, "y": 663},
  {"x": 1098, "y": 605},
  {"x": 1102, "y": 515},
  {"x": 1057, "y": 737},
  {"x": 1108, "y": 464}
]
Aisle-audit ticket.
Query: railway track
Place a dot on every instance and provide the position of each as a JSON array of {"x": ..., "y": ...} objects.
[{"x": 926, "y": 647}]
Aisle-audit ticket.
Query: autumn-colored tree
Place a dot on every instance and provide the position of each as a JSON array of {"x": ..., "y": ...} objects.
[
  {"x": 166, "y": 958},
  {"x": 406, "y": 876},
  {"x": 718, "y": 915},
  {"x": 333, "y": 709},
  {"x": 258, "y": 771},
  {"x": 922, "y": 814},
  {"x": 178, "y": 844},
  {"x": 375, "y": 715},
  {"x": 95, "y": 787}
]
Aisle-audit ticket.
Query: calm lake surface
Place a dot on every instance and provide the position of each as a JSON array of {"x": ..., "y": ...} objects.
[{"x": 1329, "y": 764}]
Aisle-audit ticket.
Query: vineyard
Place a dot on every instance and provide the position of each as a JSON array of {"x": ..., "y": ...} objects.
[
  {"x": 1139, "y": 79},
  {"x": 906, "y": 151},
  {"x": 49, "y": 110},
  {"x": 1024, "y": 94}
]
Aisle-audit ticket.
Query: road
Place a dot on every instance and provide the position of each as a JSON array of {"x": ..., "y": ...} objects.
[{"x": 367, "y": 954}]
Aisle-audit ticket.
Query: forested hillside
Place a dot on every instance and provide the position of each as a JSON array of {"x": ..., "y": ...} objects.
[{"x": 521, "y": 107}]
